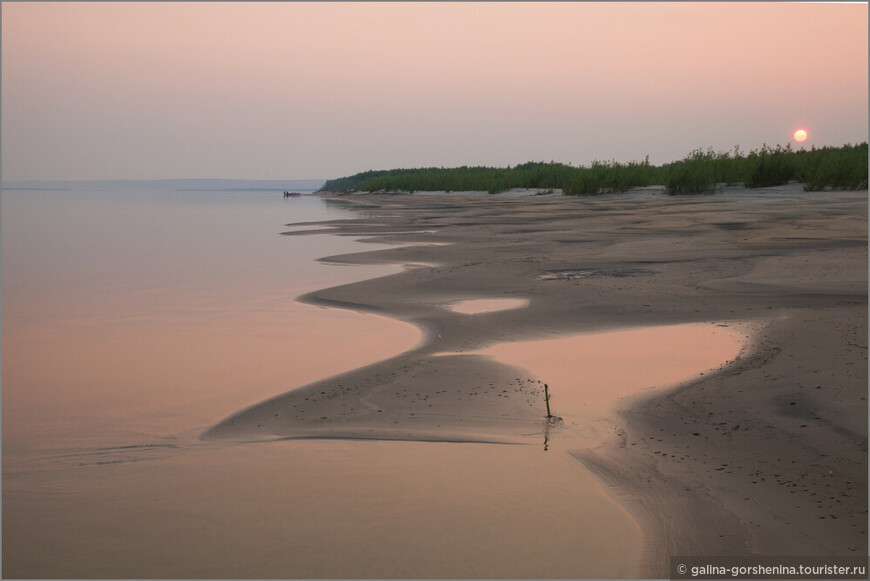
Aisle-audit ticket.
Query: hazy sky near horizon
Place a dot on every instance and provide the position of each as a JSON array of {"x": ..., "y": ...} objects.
[{"x": 319, "y": 90}]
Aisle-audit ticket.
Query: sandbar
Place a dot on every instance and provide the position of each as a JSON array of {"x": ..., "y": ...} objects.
[{"x": 767, "y": 455}]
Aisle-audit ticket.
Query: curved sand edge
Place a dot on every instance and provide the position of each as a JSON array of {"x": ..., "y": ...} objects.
[
  {"x": 449, "y": 399},
  {"x": 757, "y": 459},
  {"x": 621, "y": 261}
]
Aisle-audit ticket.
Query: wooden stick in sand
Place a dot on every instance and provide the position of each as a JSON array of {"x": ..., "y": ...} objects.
[{"x": 547, "y": 400}]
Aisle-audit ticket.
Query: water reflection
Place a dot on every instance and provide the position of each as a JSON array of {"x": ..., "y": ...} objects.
[
  {"x": 137, "y": 316},
  {"x": 177, "y": 310},
  {"x": 477, "y": 306},
  {"x": 588, "y": 375},
  {"x": 546, "y": 436}
]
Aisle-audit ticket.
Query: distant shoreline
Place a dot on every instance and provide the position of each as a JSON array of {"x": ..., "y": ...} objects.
[
  {"x": 818, "y": 169},
  {"x": 181, "y": 184}
]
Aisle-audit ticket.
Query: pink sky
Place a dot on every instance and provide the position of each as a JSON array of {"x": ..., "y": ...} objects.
[{"x": 279, "y": 90}]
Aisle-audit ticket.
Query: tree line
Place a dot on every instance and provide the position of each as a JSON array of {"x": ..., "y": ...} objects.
[{"x": 838, "y": 168}]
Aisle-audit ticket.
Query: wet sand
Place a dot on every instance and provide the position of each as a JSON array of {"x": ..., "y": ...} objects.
[{"x": 767, "y": 455}]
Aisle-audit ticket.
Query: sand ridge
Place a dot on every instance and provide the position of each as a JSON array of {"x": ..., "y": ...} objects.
[{"x": 768, "y": 456}]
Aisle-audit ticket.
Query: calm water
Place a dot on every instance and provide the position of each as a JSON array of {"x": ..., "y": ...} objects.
[
  {"x": 132, "y": 320},
  {"x": 143, "y": 314}
]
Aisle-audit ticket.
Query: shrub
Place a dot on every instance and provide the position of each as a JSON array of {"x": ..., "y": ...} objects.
[
  {"x": 694, "y": 175},
  {"x": 770, "y": 167},
  {"x": 829, "y": 167}
]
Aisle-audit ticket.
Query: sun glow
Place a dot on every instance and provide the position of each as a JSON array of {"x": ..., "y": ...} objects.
[{"x": 801, "y": 135}]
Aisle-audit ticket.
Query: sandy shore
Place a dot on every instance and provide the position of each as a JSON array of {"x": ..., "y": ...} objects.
[{"x": 766, "y": 456}]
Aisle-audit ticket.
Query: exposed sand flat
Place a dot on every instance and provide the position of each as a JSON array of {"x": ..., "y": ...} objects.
[{"x": 766, "y": 456}]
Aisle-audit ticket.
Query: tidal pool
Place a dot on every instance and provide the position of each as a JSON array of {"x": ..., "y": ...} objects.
[
  {"x": 477, "y": 306},
  {"x": 590, "y": 375}
]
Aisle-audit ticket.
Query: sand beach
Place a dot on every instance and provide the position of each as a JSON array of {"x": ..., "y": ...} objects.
[
  {"x": 291, "y": 291},
  {"x": 761, "y": 450}
]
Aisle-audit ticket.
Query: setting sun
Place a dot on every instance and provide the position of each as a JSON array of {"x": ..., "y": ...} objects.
[{"x": 801, "y": 135}]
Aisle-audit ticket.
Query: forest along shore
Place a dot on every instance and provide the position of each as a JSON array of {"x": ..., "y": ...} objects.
[{"x": 767, "y": 456}]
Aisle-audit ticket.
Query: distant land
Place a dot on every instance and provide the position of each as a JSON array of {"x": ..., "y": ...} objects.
[{"x": 190, "y": 184}]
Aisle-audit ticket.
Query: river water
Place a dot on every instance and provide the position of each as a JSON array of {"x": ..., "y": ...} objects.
[{"x": 133, "y": 319}]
